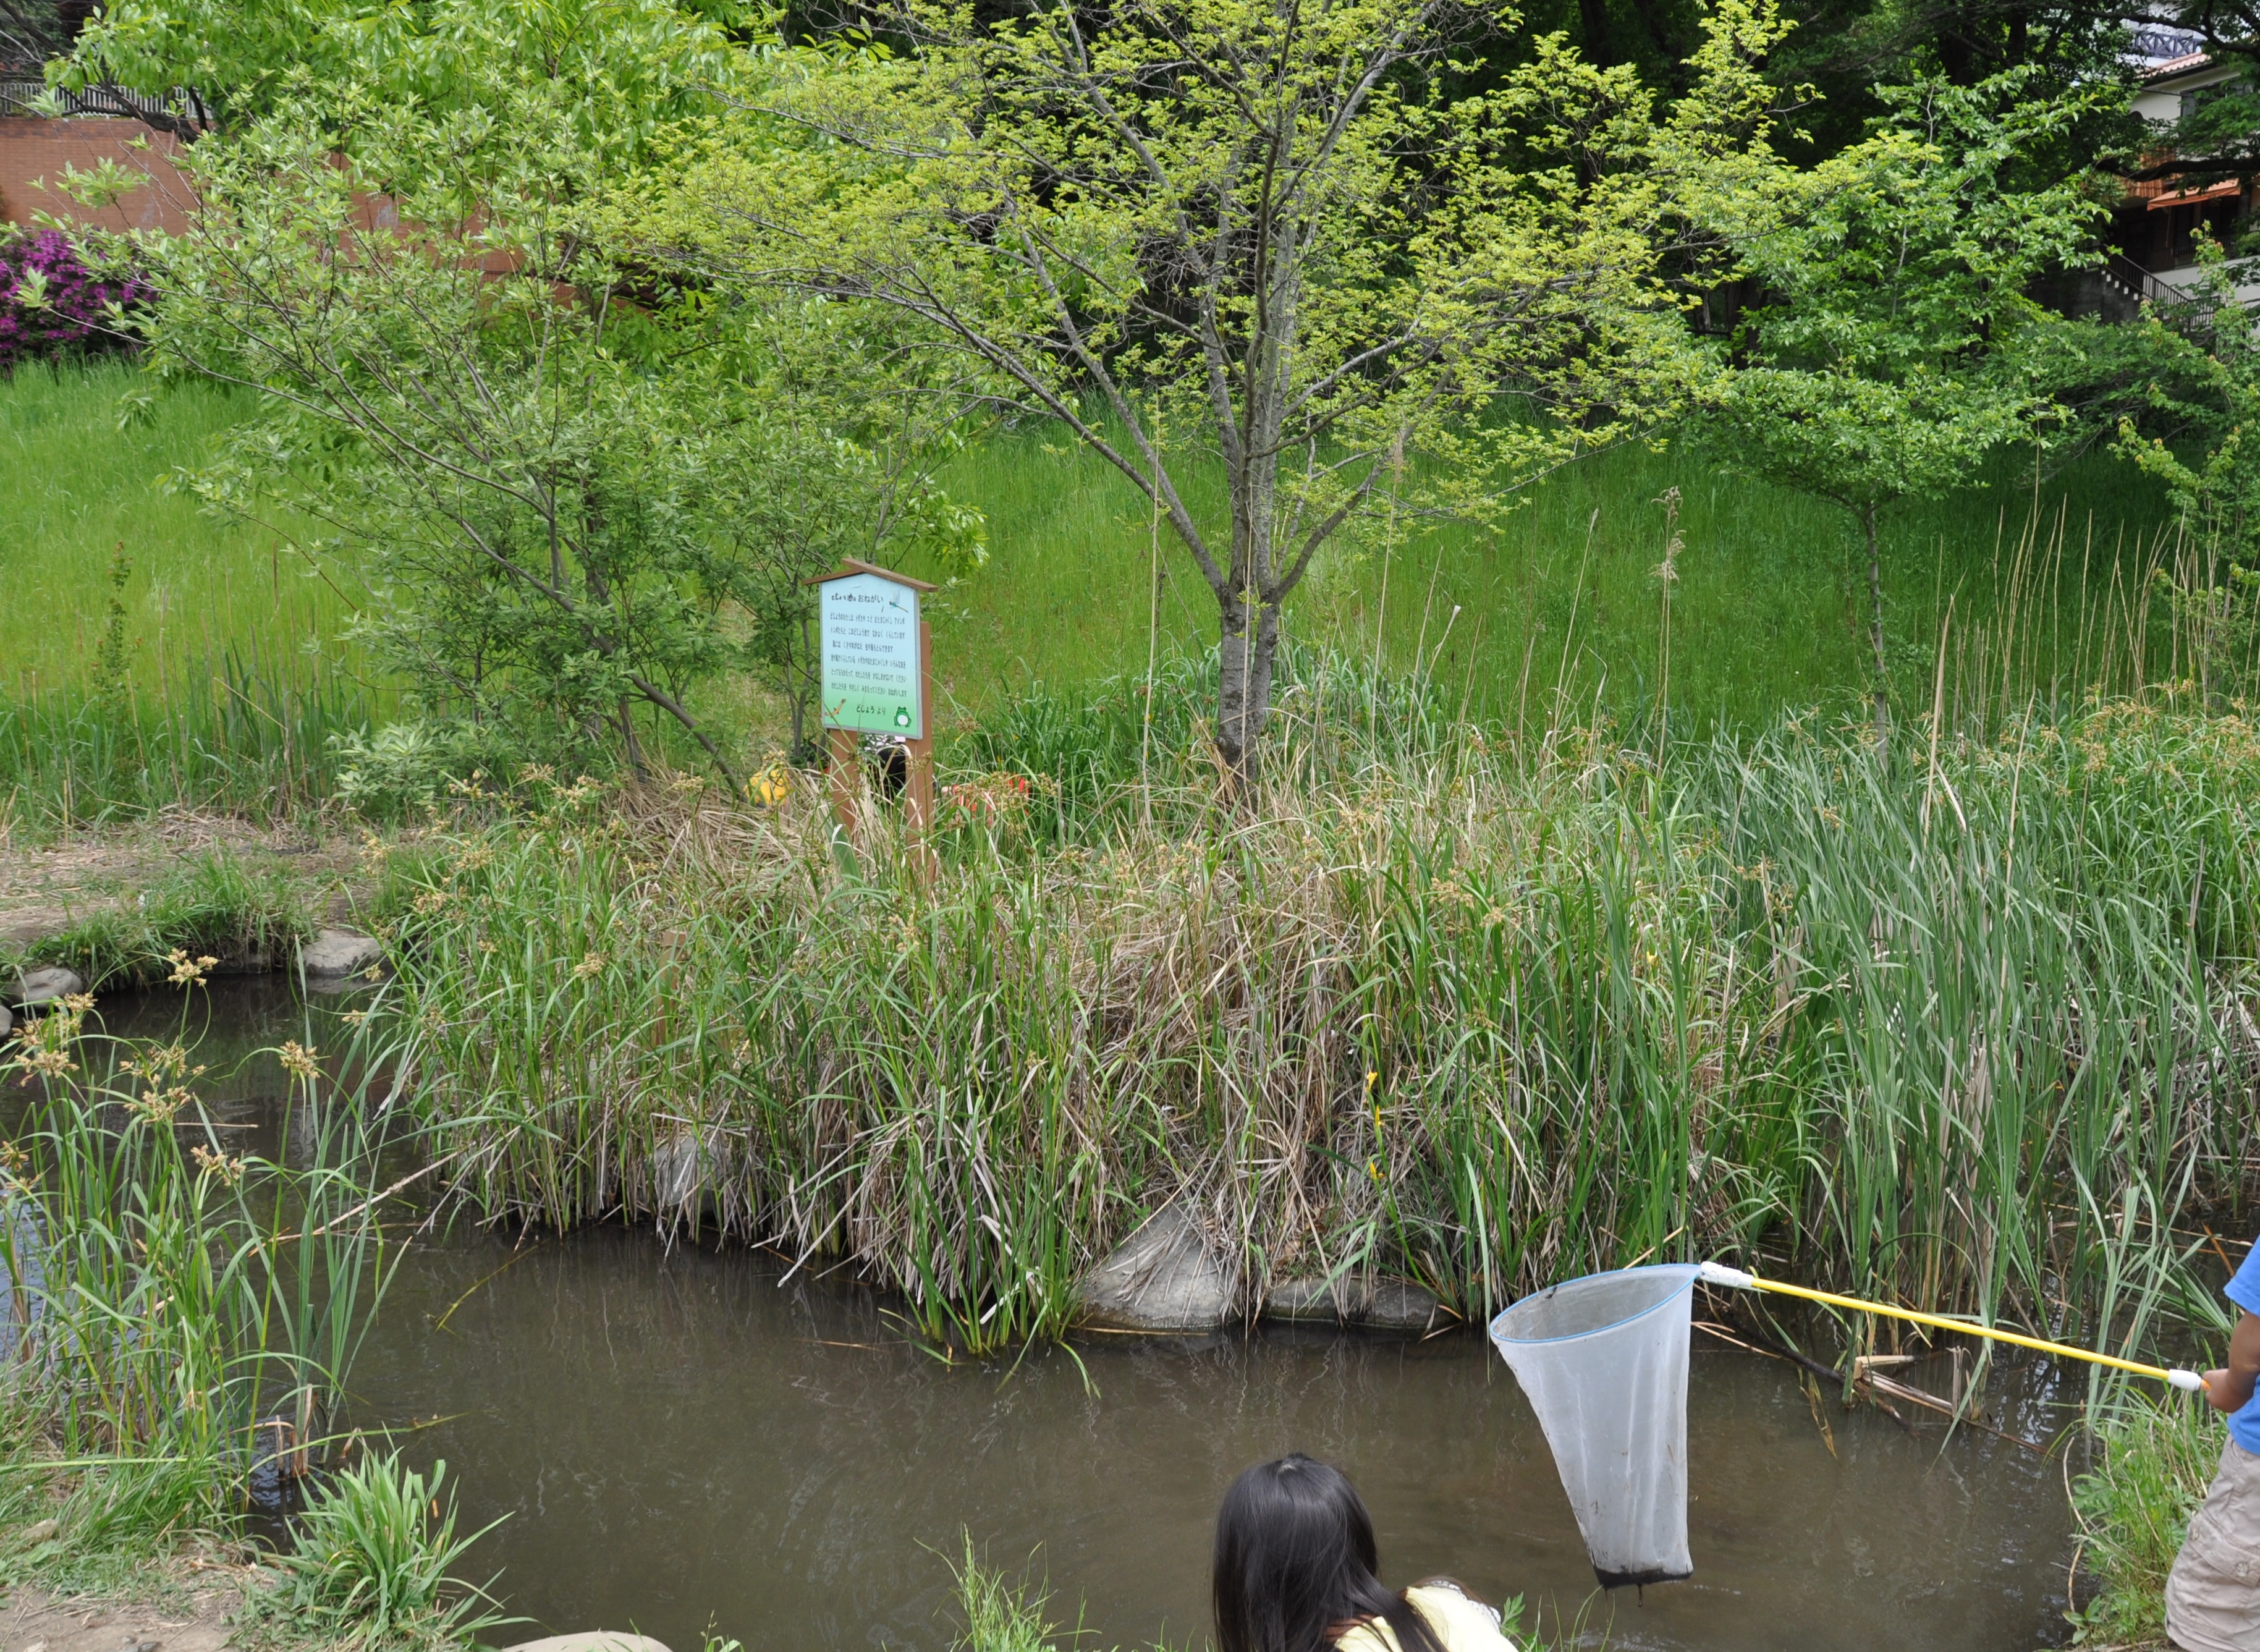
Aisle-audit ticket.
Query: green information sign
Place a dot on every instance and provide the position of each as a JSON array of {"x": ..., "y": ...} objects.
[{"x": 870, "y": 644}]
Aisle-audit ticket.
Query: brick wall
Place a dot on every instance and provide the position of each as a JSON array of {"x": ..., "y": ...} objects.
[{"x": 33, "y": 150}]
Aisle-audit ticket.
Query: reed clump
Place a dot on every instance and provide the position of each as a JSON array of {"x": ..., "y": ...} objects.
[
  {"x": 1958, "y": 1021},
  {"x": 179, "y": 1311}
]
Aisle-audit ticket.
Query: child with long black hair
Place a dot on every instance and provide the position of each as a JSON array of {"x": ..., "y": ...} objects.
[{"x": 1295, "y": 1572}]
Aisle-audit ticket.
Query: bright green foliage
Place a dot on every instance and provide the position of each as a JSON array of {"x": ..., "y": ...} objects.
[
  {"x": 1251, "y": 233},
  {"x": 632, "y": 65},
  {"x": 2148, "y": 1471},
  {"x": 2205, "y": 389},
  {"x": 563, "y": 507},
  {"x": 372, "y": 1560},
  {"x": 1890, "y": 355}
]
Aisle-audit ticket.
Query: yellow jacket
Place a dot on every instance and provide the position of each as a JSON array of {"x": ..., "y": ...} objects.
[{"x": 1463, "y": 1625}]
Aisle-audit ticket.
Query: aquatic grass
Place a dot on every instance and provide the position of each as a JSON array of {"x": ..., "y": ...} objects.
[
  {"x": 2149, "y": 1465},
  {"x": 372, "y": 1561},
  {"x": 1958, "y": 1022},
  {"x": 167, "y": 1292},
  {"x": 999, "y": 1612}
]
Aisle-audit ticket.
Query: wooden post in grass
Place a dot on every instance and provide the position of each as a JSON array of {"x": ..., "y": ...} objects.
[
  {"x": 877, "y": 678},
  {"x": 918, "y": 789}
]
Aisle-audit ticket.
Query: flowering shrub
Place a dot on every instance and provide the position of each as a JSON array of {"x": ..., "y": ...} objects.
[{"x": 51, "y": 304}]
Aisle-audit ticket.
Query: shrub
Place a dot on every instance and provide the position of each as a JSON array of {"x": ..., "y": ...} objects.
[
  {"x": 406, "y": 767},
  {"x": 372, "y": 1561},
  {"x": 52, "y": 303}
]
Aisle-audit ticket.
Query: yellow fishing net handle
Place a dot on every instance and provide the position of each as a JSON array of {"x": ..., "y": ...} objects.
[{"x": 1734, "y": 1279}]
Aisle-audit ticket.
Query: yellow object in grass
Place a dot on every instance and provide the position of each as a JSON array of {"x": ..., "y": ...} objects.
[{"x": 770, "y": 786}]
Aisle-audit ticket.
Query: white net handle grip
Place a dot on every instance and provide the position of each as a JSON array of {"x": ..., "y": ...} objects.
[
  {"x": 2188, "y": 1382},
  {"x": 1717, "y": 1273}
]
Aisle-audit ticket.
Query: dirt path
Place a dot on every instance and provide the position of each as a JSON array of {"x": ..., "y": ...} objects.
[
  {"x": 44, "y": 891},
  {"x": 194, "y": 1619}
]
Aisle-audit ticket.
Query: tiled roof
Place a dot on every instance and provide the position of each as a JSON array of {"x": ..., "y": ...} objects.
[{"x": 2181, "y": 65}]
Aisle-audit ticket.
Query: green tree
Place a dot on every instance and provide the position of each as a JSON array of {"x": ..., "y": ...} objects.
[
  {"x": 1257, "y": 226},
  {"x": 570, "y": 497},
  {"x": 631, "y": 66},
  {"x": 2199, "y": 435},
  {"x": 1896, "y": 345}
]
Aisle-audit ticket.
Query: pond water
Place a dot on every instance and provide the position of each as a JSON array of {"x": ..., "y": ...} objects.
[{"x": 682, "y": 1438}]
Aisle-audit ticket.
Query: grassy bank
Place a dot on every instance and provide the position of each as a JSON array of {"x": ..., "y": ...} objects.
[
  {"x": 1959, "y": 1025},
  {"x": 1562, "y": 594},
  {"x": 91, "y": 453},
  {"x": 228, "y": 675},
  {"x": 209, "y": 666},
  {"x": 2148, "y": 1466}
]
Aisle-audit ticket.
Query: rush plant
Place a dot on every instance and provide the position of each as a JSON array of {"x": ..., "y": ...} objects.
[
  {"x": 168, "y": 1290},
  {"x": 1478, "y": 1014}
]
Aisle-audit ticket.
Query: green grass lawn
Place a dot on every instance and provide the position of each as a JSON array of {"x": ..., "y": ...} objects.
[
  {"x": 1766, "y": 615},
  {"x": 73, "y": 486},
  {"x": 1769, "y": 609}
]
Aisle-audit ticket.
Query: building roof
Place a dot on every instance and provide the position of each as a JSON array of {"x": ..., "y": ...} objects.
[{"x": 2181, "y": 65}]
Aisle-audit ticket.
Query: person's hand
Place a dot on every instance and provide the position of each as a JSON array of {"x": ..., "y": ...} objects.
[{"x": 2216, "y": 1391}]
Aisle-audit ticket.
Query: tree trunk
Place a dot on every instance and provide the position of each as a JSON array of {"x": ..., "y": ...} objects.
[
  {"x": 628, "y": 739},
  {"x": 1875, "y": 621},
  {"x": 1245, "y": 656}
]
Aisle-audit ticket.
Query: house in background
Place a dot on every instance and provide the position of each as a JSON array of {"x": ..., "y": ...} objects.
[{"x": 2155, "y": 227}]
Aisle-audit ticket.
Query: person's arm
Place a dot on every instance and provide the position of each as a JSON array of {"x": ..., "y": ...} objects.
[{"x": 2230, "y": 1389}]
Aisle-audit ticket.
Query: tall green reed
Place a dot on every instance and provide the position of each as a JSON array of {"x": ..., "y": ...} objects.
[
  {"x": 1958, "y": 1021},
  {"x": 251, "y": 732}
]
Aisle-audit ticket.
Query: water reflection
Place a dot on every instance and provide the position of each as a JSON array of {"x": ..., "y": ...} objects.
[{"x": 683, "y": 1438}]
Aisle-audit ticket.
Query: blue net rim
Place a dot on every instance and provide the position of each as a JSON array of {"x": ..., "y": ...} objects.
[{"x": 1686, "y": 1269}]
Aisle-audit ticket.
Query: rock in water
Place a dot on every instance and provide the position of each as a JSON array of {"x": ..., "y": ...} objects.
[
  {"x": 7, "y": 1020},
  {"x": 339, "y": 952},
  {"x": 1163, "y": 1277},
  {"x": 1380, "y": 1305},
  {"x": 591, "y": 1640},
  {"x": 35, "y": 987},
  {"x": 684, "y": 1168}
]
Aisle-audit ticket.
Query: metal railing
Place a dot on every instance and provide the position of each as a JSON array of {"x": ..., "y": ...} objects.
[
  {"x": 2138, "y": 283},
  {"x": 180, "y": 108}
]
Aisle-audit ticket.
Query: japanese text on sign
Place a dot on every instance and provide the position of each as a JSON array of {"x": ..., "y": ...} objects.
[{"x": 870, "y": 646}]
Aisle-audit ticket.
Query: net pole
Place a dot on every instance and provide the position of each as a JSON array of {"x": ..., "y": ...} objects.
[{"x": 1714, "y": 1274}]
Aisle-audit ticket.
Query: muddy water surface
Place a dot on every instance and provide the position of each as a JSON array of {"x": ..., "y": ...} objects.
[{"x": 685, "y": 1438}]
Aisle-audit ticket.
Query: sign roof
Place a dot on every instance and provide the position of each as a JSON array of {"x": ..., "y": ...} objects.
[{"x": 849, "y": 567}]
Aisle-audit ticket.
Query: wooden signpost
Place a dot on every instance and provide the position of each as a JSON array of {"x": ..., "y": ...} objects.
[{"x": 877, "y": 678}]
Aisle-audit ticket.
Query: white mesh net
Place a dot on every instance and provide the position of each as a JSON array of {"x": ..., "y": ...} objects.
[{"x": 1604, "y": 1360}]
